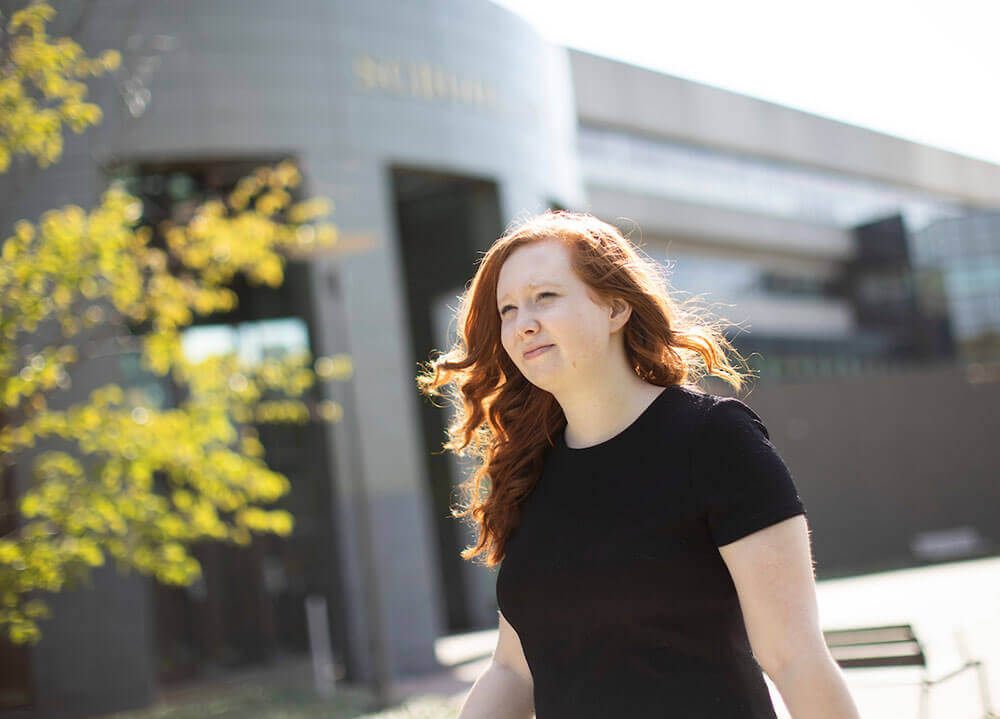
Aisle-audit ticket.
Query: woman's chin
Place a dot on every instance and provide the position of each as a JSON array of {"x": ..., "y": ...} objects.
[{"x": 543, "y": 379}]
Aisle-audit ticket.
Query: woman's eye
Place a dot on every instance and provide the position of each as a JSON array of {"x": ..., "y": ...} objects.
[{"x": 539, "y": 296}]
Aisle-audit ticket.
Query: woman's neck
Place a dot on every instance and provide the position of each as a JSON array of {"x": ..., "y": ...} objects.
[{"x": 601, "y": 413}]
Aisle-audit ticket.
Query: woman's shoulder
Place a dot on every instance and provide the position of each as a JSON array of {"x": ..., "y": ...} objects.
[
  {"x": 693, "y": 398},
  {"x": 703, "y": 407}
]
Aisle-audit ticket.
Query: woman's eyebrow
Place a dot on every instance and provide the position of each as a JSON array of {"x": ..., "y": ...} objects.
[{"x": 533, "y": 285}]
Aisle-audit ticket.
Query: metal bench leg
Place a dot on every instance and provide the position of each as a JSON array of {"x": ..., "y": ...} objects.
[
  {"x": 925, "y": 691},
  {"x": 984, "y": 690}
]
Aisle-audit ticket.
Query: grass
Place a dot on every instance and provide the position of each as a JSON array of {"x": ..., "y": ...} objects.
[{"x": 261, "y": 702}]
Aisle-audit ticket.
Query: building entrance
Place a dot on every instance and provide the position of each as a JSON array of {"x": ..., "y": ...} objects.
[{"x": 443, "y": 223}]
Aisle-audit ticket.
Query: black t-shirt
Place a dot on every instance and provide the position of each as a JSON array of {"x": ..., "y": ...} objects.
[{"x": 613, "y": 578}]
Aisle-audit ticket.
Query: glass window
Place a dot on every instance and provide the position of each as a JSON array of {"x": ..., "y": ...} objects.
[
  {"x": 695, "y": 174},
  {"x": 722, "y": 279}
]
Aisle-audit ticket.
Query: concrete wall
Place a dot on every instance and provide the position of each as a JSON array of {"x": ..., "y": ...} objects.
[
  {"x": 705, "y": 225},
  {"x": 614, "y": 94},
  {"x": 98, "y": 649},
  {"x": 882, "y": 458}
]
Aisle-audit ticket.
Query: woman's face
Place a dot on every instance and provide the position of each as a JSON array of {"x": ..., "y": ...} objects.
[{"x": 542, "y": 302}]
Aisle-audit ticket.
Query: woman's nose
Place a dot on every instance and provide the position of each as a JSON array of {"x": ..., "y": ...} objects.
[{"x": 525, "y": 324}]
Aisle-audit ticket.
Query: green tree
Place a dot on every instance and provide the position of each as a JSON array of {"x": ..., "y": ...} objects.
[{"x": 132, "y": 482}]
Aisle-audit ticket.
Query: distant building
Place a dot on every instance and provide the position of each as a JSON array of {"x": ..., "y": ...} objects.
[
  {"x": 837, "y": 252},
  {"x": 960, "y": 256}
]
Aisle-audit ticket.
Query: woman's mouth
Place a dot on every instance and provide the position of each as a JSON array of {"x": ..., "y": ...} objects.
[{"x": 536, "y": 352}]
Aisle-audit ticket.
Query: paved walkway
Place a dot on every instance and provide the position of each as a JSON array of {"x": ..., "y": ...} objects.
[{"x": 947, "y": 604}]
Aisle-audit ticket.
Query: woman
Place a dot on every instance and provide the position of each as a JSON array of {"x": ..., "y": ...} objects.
[{"x": 654, "y": 553}]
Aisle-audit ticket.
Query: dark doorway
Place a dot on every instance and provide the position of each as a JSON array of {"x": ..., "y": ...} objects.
[{"x": 444, "y": 223}]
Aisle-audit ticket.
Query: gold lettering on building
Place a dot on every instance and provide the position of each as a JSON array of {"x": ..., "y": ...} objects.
[{"x": 423, "y": 81}]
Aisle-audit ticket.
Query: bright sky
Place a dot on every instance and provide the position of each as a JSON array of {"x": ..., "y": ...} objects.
[{"x": 920, "y": 70}]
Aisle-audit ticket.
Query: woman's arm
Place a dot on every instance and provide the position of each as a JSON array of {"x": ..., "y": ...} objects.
[
  {"x": 498, "y": 693},
  {"x": 505, "y": 690},
  {"x": 773, "y": 573},
  {"x": 813, "y": 686}
]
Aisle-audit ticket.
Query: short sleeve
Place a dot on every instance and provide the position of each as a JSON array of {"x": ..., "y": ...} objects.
[{"x": 743, "y": 483}]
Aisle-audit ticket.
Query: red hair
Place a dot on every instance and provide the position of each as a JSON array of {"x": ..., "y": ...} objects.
[{"x": 506, "y": 422}]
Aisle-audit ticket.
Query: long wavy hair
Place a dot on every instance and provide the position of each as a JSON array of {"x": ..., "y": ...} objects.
[{"x": 504, "y": 421}]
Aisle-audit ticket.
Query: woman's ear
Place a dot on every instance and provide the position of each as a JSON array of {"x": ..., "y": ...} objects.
[{"x": 620, "y": 312}]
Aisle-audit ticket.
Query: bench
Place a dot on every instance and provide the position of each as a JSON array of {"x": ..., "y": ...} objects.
[{"x": 896, "y": 646}]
